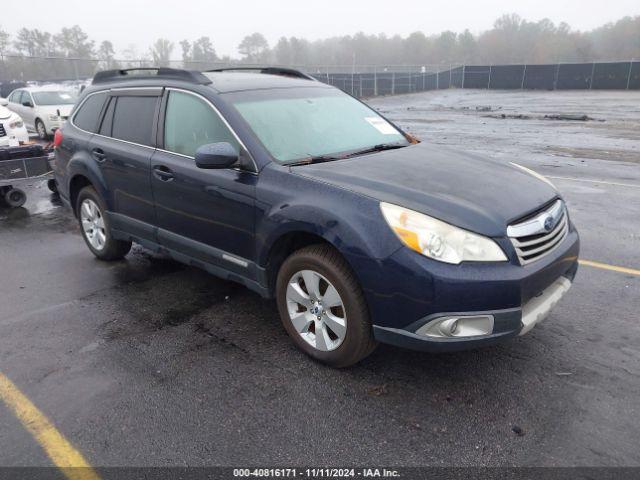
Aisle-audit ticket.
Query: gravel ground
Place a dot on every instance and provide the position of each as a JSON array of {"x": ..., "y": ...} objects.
[{"x": 147, "y": 362}]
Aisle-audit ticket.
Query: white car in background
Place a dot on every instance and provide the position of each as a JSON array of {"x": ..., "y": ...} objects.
[
  {"x": 43, "y": 109},
  {"x": 12, "y": 128}
]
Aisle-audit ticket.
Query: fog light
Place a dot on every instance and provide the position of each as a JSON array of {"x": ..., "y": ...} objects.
[
  {"x": 458, "y": 326},
  {"x": 448, "y": 327}
]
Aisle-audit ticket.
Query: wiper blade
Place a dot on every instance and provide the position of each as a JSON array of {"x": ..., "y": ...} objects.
[
  {"x": 376, "y": 148},
  {"x": 329, "y": 158},
  {"x": 315, "y": 159}
]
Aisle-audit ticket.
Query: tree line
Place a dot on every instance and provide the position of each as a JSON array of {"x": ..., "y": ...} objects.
[{"x": 511, "y": 40}]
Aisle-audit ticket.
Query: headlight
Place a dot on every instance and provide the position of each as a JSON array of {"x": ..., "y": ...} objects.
[
  {"x": 535, "y": 174},
  {"x": 16, "y": 124},
  {"x": 438, "y": 240}
]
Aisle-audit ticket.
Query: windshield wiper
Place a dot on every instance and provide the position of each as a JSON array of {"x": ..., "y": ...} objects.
[
  {"x": 330, "y": 158},
  {"x": 315, "y": 159},
  {"x": 376, "y": 148}
]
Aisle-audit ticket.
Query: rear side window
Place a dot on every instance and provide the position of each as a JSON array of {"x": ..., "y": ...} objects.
[
  {"x": 133, "y": 119},
  {"x": 15, "y": 96},
  {"x": 89, "y": 112},
  {"x": 190, "y": 122}
]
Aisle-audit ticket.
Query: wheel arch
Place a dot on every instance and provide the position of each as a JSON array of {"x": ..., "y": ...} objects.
[
  {"x": 84, "y": 173},
  {"x": 283, "y": 246},
  {"x": 77, "y": 183}
]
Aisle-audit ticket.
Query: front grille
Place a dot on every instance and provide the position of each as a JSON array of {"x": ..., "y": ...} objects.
[
  {"x": 3, "y": 132},
  {"x": 532, "y": 240}
]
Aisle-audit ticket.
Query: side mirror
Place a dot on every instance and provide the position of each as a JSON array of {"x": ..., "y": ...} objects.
[
  {"x": 27, "y": 104},
  {"x": 4, "y": 102},
  {"x": 216, "y": 155}
]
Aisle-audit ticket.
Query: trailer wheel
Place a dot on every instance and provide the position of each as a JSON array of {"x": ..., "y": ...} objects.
[
  {"x": 15, "y": 198},
  {"x": 52, "y": 185}
]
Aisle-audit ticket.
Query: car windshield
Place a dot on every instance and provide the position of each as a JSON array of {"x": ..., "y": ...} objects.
[
  {"x": 54, "y": 98},
  {"x": 307, "y": 123}
]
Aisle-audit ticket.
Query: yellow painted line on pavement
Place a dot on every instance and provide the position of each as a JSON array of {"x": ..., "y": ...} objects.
[
  {"x": 632, "y": 185},
  {"x": 606, "y": 266},
  {"x": 60, "y": 451}
]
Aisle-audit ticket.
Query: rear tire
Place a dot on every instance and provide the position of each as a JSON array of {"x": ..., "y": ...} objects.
[
  {"x": 15, "y": 198},
  {"x": 95, "y": 228},
  {"x": 333, "y": 306}
]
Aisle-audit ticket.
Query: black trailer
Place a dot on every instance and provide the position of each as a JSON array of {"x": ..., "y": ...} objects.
[{"x": 21, "y": 164}]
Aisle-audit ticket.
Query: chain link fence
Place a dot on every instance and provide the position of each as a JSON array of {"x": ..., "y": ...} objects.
[{"x": 358, "y": 80}]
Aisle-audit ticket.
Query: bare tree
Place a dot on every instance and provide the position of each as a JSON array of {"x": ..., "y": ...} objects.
[
  {"x": 254, "y": 48},
  {"x": 4, "y": 41},
  {"x": 203, "y": 51},
  {"x": 74, "y": 43},
  {"x": 161, "y": 52},
  {"x": 106, "y": 55}
]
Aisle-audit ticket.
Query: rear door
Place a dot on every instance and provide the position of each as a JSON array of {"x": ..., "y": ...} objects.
[
  {"x": 15, "y": 103},
  {"x": 122, "y": 149}
]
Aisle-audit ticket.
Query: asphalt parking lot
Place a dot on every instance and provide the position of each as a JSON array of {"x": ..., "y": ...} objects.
[{"x": 147, "y": 362}]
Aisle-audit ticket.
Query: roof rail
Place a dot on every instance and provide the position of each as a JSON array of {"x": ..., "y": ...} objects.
[
  {"x": 285, "y": 72},
  {"x": 160, "y": 72}
]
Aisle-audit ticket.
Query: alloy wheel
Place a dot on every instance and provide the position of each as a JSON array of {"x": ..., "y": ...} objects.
[
  {"x": 42, "y": 133},
  {"x": 316, "y": 310},
  {"x": 93, "y": 224}
]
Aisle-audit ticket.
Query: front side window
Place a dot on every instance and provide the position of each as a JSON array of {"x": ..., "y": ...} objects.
[
  {"x": 294, "y": 124},
  {"x": 87, "y": 117},
  {"x": 54, "y": 98},
  {"x": 190, "y": 122},
  {"x": 26, "y": 98},
  {"x": 133, "y": 119}
]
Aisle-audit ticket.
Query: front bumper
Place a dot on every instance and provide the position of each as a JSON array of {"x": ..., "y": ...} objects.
[
  {"x": 505, "y": 323},
  {"x": 508, "y": 297},
  {"x": 14, "y": 136}
]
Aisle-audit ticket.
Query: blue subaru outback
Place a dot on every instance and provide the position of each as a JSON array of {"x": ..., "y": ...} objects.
[{"x": 297, "y": 190}]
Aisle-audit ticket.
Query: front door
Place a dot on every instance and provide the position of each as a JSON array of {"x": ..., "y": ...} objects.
[
  {"x": 205, "y": 214},
  {"x": 28, "y": 113}
]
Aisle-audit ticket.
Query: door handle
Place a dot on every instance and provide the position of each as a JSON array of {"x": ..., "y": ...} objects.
[
  {"x": 163, "y": 173},
  {"x": 98, "y": 155}
]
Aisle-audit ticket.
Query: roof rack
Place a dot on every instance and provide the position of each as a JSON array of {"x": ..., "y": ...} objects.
[
  {"x": 285, "y": 72},
  {"x": 160, "y": 72}
]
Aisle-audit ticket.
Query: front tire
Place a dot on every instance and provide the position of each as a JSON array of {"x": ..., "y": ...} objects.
[
  {"x": 322, "y": 307},
  {"x": 95, "y": 228},
  {"x": 41, "y": 130}
]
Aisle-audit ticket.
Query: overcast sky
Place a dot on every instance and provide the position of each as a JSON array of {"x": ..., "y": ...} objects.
[{"x": 139, "y": 22}]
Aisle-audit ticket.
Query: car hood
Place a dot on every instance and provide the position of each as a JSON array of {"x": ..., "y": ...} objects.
[
  {"x": 65, "y": 110},
  {"x": 466, "y": 190}
]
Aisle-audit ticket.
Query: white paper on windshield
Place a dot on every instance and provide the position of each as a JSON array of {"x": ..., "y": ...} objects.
[{"x": 381, "y": 125}]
